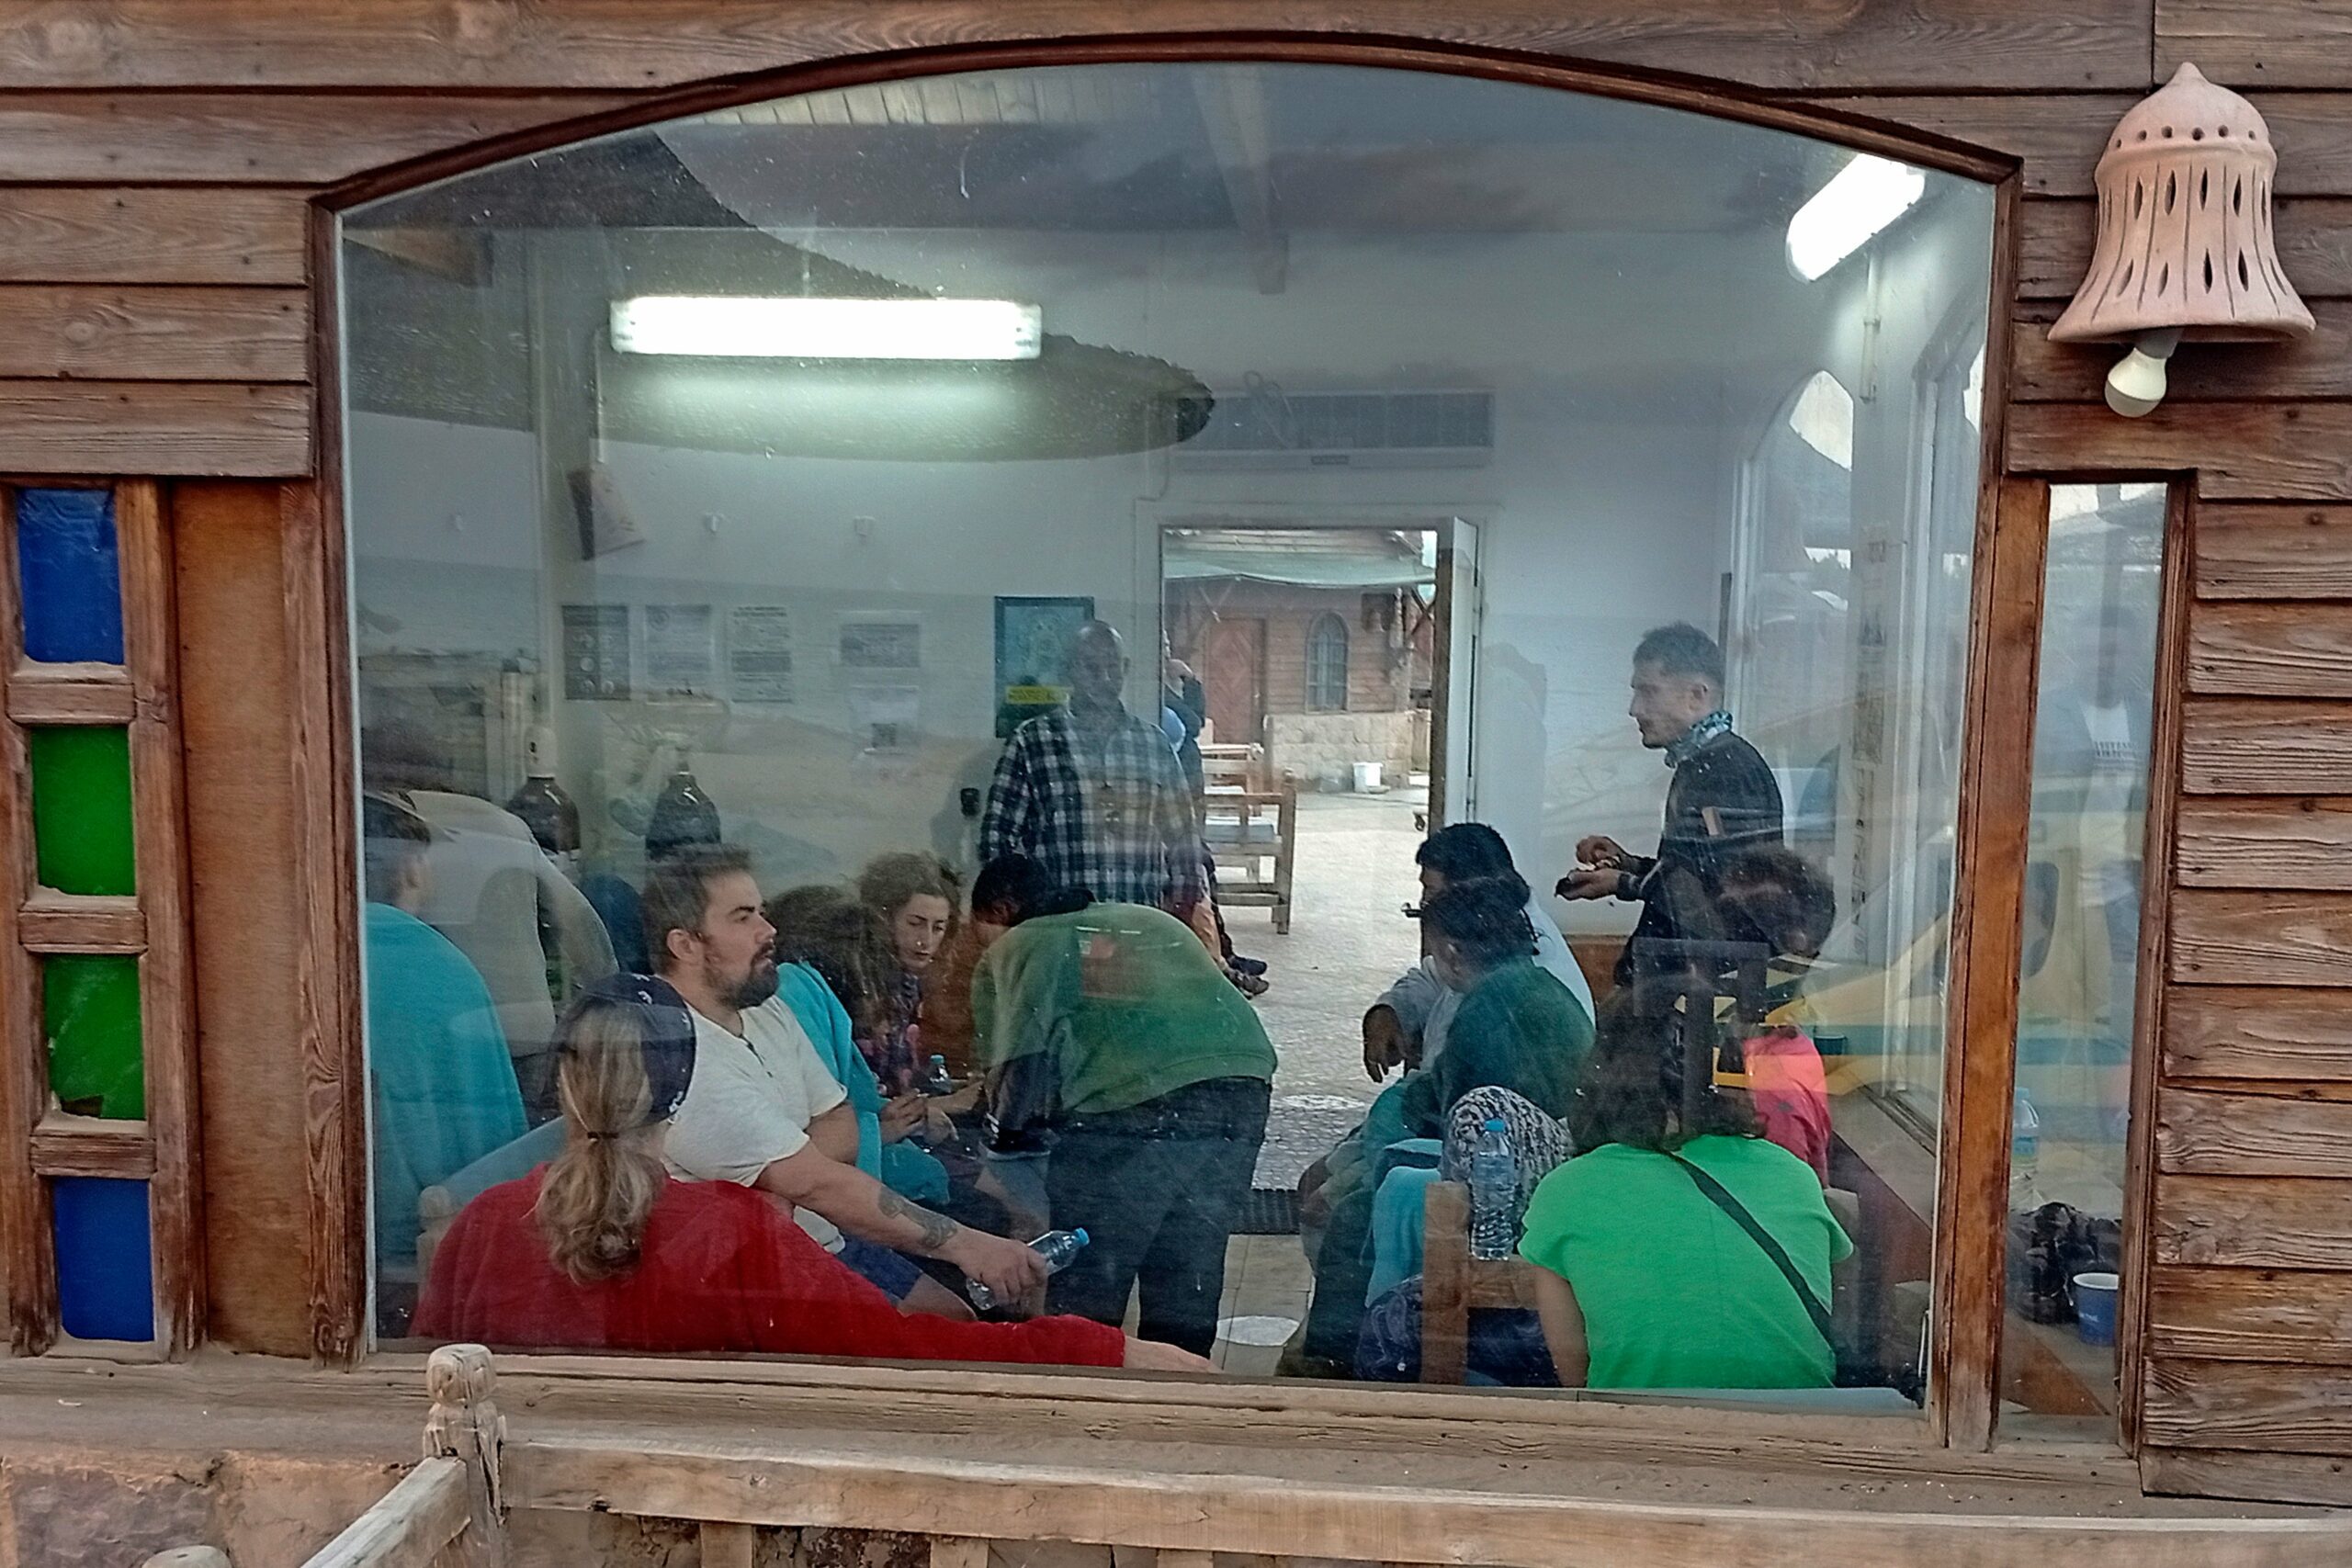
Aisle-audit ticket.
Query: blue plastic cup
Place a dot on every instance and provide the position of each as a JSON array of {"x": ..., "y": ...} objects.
[{"x": 2095, "y": 1298}]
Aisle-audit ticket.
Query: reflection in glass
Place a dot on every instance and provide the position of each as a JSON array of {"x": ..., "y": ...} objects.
[
  {"x": 1400, "y": 452},
  {"x": 2080, "y": 964}
]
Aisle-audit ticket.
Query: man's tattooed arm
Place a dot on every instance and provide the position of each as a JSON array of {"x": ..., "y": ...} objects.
[{"x": 937, "y": 1229}]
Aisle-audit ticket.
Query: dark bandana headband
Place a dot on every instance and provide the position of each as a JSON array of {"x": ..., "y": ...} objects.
[{"x": 667, "y": 1028}]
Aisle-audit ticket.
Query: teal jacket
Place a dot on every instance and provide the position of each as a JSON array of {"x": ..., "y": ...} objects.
[{"x": 900, "y": 1167}]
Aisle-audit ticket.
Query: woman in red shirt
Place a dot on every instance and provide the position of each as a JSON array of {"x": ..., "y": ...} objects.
[{"x": 600, "y": 1249}]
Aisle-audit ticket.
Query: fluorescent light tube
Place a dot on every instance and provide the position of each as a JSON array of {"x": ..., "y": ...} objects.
[
  {"x": 1862, "y": 198},
  {"x": 767, "y": 327}
]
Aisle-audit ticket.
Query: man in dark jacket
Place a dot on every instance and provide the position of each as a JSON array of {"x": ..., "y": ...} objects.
[{"x": 1724, "y": 801}]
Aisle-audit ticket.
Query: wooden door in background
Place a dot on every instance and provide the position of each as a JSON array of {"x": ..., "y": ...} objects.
[{"x": 1233, "y": 674}]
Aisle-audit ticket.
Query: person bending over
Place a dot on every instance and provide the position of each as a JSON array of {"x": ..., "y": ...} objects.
[
  {"x": 1116, "y": 1047},
  {"x": 601, "y": 1249},
  {"x": 1649, "y": 1280},
  {"x": 763, "y": 1111}
]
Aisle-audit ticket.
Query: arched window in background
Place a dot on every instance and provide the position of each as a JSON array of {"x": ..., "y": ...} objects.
[{"x": 1327, "y": 664}]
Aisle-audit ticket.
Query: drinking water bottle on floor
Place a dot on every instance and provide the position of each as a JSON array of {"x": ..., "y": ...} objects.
[
  {"x": 1494, "y": 1192},
  {"x": 936, "y": 1079},
  {"x": 1058, "y": 1249}
]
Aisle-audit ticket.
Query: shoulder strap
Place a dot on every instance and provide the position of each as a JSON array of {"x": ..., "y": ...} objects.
[{"x": 1720, "y": 1197}]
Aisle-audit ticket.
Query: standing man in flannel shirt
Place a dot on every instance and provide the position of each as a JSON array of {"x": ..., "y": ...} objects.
[{"x": 1094, "y": 794}]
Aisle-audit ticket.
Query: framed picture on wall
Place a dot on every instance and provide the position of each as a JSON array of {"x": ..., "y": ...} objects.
[{"x": 1033, "y": 638}]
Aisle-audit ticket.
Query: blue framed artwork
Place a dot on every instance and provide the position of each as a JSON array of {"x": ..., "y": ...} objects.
[{"x": 1033, "y": 639}]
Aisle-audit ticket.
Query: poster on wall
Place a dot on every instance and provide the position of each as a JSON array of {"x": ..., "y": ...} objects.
[
  {"x": 681, "y": 655},
  {"x": 881, "y": 642},
  {"x": 1033, "y": 638},
  {"x": 759, "y": 653},
  {"x": 596, "y": 653}
]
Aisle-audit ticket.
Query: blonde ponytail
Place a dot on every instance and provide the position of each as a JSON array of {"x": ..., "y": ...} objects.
[{"x": 599, "y": 1192}]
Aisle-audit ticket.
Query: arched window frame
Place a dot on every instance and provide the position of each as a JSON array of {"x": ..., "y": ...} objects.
[{"x": 1327, "y": 678}]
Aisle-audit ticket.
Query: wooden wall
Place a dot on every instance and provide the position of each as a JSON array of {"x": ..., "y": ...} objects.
[{"x": 157, "y": 317}]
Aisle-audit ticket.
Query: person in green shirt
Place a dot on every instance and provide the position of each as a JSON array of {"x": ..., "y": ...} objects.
[
  {"x": 1115, "y": 1047},
  {"x": 1647, "y": 1282}
]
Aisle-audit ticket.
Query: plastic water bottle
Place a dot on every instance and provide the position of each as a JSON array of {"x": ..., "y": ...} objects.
[
  {"x": 2025, "y": 1154},
  {"x": 935, "y": 1078},
  {"x": 1058, "y": 1249},
  {"x": 1494, "y": 1192}
]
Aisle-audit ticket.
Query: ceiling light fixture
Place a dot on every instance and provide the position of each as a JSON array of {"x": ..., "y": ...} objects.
[
  {"x": 769, "y": 327},
  {"x": 1860, "y": 201}
]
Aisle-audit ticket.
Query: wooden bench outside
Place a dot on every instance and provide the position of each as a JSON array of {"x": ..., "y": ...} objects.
[{"x": 1253, "y": 836}]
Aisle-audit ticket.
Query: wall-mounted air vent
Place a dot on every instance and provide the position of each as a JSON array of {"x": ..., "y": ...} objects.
[{"x": 1262, "y": 426}]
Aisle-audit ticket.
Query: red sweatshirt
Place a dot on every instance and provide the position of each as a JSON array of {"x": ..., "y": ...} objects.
[{"x": 723, "y": 1269}]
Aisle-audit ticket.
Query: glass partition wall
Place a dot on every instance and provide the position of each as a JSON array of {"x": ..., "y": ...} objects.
[{"x": 854, "y": 782}]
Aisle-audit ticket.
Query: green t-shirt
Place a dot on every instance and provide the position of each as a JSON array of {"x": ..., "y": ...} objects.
[
  {"x": 1129, "y": 999},
  {"x": 1674, "y": 1293}
]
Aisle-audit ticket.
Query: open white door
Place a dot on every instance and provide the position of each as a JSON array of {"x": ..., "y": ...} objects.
[{"x": 1454, "y": 702}]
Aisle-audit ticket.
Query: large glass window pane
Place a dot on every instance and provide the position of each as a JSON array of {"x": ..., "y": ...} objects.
[
  {"x": 2081, "y": 956},
  {"x": 991, "y": 504}
]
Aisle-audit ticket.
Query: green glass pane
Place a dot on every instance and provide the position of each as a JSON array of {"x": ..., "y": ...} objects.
[
  {"x": 91, "y": 1006},
  {"x": 82, "y": 808}
]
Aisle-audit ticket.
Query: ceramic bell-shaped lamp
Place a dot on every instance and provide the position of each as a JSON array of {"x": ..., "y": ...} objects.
[{"x": 2185, "y": 250}]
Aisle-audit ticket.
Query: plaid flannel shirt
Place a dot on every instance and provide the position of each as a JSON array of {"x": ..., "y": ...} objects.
[{"x": 1104, "y": 808}]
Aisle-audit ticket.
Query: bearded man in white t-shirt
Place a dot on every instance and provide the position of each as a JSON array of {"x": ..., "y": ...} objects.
[{"x": 763, "y": 1111}]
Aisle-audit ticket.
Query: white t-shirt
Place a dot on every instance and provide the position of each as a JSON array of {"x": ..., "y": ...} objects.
[{"x": 750, "y": 1103}]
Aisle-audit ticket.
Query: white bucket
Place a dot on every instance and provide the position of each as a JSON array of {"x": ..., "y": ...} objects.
[{"x": 1368, "y": 778}]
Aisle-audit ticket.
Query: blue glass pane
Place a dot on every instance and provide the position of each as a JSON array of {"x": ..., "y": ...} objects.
[
  {"x": 106, "y": 1282},
  {"x": 71, "y": 575}
]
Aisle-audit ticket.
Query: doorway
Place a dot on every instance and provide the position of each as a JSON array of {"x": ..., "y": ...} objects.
[{"x": 1334, "y": 669}]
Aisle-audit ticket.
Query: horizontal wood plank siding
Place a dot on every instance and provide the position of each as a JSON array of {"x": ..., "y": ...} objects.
[
  {"x": 2319, "y": 365},
  {"x": 2256, "y": 1477},
  {"x": 2300, "y": 843},
  {"x": 2271, "y": 650},
  {"x": 2240, "y": 746},
  {"x": 2298, "y": 1316},
  {"x": 2201, "y": 1133},
  {"x": 2235, "y": 1222},
  {"x": 611, "y": 44},
  {"x": 2301, "y": 43},
  {"x": 2227, "y": 1404},
  {"x": 155, "y": 334},
  {"x": 196, "y": 429},
  {"x": 2242, "y": 451},
  {"x": 248, "y": 138},
  {"x": 2247, "y": 550},
  {"x": 2314, "y": 243},
  {"x": 2262, "y": 939},
  {"x": 2258, "y": 1032},
  {"x": 150, "y": 235}
]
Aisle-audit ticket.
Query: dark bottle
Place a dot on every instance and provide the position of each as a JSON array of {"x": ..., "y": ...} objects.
[
  {"x": 683, "y": 816},
  {"x": 545, "y": 810}
]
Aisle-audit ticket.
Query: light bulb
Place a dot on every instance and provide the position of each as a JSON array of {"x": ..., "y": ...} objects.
[{"x": 2136, "y": 385}]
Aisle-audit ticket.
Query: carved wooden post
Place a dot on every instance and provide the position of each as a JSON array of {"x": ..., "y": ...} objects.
[{"x": 465, "y": 1425}]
